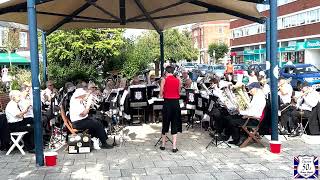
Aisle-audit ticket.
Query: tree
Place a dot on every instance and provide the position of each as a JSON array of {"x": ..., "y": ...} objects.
[
  {"x": 146, "y": 49},
  {"x": 11, "y": 41},
  {"x": 81, "y": 54},
  {"x": 217, "y": 51}
]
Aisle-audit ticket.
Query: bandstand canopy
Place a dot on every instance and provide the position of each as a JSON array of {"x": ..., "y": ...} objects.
[{"x": 139, "y": 14}]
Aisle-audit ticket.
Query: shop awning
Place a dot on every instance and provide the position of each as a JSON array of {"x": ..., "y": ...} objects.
[{"x": 14, "y": 58}]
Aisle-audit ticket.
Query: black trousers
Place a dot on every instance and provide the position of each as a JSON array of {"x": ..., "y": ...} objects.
[
  {"x": 296, "y": 117},
  {"x": 4, "y": 132},
  {"x": 234, "y": 125},
  {"x": 285, "y": 118},
  {"x": 95, "y": 127},
  {"x": 171, "y": 115},
  {"x": 21, "y": 126}
]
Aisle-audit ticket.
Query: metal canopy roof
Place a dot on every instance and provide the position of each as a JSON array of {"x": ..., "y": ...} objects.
[{"x": 140, "y": 14}]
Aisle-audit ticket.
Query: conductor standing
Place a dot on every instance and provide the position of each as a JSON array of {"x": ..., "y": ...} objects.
[{"x": 170, "y": 91}]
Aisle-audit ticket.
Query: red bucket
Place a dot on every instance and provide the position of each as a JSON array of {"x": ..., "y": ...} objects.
[
  {"x": 275, "y": 147},
  {"x": 50, "y": 158}
]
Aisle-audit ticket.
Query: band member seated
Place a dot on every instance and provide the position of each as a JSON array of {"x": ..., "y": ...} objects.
[
  {"x": 255, "y": 110},
  {"x": 184, "y": 78},
  {"x": 25, "y": 104},
  {"x": 80, "y": 121},
  {"x": 285, "y": 94},
  {"x": 48, "y": 93},
  {"x": 170, "y": 91},
  {"x": 305, "y": 103},
  {"x": 217, "y": 114},
  {"x": 16, "y": 122}
]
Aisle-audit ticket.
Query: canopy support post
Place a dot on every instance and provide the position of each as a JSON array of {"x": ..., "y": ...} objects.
[
  {"x": 44, "y": 56},
  {"x": 274, "y": 69},
  {"x": 32, "y": 18},
  {"x": 161, "y": 53}
]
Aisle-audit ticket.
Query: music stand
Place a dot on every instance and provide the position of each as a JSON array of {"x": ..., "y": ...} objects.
[
  {"x": 138, "y": 101},
  {"x": 159, "y": 140}
]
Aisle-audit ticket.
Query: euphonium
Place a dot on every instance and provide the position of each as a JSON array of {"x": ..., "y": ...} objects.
[
  {"x": 242, "y": 98},
  {"x": 230, "y": 103}
]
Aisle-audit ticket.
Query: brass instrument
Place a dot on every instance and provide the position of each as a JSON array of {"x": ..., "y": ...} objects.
[
  {"x": 230, "y": 102},
  {"x": 242, "y": 97}
]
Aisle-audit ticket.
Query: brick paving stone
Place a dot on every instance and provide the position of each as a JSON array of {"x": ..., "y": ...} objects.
[
  {"x": 182, "y": 170},
  {"x": 158, "y": 171},
  {"x": 121, "y": 165},
  {"x": 252, "y": 175},
  {"x": 226, "y": 175},
  {"x": 163, "y": 163},
  {"x": 283, "y": 166},
  {"x": 133, "y": 172},
  {"x": 254, "y": 167},
  {"x": 33, "y": 177},
  {"x": 142, "y": 164},
  {"x": 201, "y": 176},
  {"x": 175, "y": 177},
  {"x": 111, "y": 173},
  {"x": 150, "y": 158},
  {"x": 232, "y": 160},
  {"x": 156, "y": 177},
  {"x": 172, "y": 157},
  {"x": 187, "y": 162},
  {"x": 278, "y": 173},
  {"x": 123, "y": 178},
  {"x": 205, "y": 169},
  {"x": 229, "y": 167},
  {"x": 66, "y": 162},
  {"x": 57, "y": 176}
]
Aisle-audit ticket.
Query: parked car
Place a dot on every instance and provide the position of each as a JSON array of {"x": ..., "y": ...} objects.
[
  {"x": 238, "y": 70},
  {"x": 260, "y": 67},
  {"x": 218, "y": 70},
  {"x": 188, "y": 66},
  {"x": 203, "y": 68},
  {"x": 300, "y": 73}
]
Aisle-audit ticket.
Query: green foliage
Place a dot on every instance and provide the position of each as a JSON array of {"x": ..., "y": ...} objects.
[
  {"x": 19, "y": 76},
  {"x": 80, "y": 54},
  {"x": 11, "y": 40},
  {"x": 146, "y": 49},
  {"x": 217, "y": 51}
]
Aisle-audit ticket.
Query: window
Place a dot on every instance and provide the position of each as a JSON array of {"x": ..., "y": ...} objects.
[
  {"x": 299, "y": 19},
  {"x": 23, "y": 36},
  {"x": 220, "y": 30}
]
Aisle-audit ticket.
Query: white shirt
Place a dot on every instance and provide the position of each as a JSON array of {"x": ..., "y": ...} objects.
[
  {"x": 77, "y": 106},
  {"x": 24, "y": 104},
  {"x": 256, "y": 106},
  {"x": 286, "y": 98},
  {"x": 12, "y": 110},
  {"x": 309, "y": 101},
  {"x": 266, "y": 89}
]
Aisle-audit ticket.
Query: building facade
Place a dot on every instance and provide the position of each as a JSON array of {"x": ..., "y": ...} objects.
[
  {"x": 298, "y": 34},
  {"x": 203, "y": 34}
]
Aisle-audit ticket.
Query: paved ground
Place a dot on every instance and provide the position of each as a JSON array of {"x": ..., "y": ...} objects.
[{"x": 139, "y": 159}]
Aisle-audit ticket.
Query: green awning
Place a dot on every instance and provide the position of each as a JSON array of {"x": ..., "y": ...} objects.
[{"x": 15, "y": 59}]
